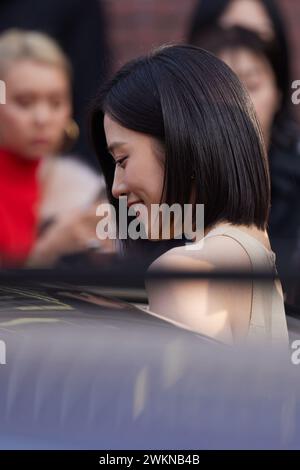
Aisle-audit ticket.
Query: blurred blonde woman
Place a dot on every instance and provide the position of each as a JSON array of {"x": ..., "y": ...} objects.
[{"x": 35, "y": 122}]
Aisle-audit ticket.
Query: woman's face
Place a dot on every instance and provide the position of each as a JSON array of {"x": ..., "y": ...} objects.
[
  {"x": 250, "y": 14},
  {"x": 139, "y": 165},
  {"x": 258, "y": 77},
  {"x": 37, "y": 109}
]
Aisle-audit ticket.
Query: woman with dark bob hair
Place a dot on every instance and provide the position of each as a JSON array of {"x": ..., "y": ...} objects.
[{"x": 180, "y": 129}]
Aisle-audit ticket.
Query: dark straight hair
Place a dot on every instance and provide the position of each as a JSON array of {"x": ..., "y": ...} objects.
[{"x": 196, "y": 107}]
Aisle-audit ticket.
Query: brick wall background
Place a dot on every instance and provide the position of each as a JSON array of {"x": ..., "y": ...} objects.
[{"x": 136, "y": 26}]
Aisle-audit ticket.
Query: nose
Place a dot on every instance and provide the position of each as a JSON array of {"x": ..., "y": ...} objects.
[
  {"x": 119, "y": 187},
  {"x": 42, "y": 114}
]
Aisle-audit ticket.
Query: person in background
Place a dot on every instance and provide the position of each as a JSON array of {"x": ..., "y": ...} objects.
[
  {"x": 33, "y": 124},
  {"x": 180, "y": 129},
  {"x": 261, "y": 61},
  {"x": 78, "y": 26},
  {"x": 261, "y": 16}
]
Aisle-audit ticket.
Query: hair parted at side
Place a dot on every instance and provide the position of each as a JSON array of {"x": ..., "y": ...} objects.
[{"x": 199, "y": 111}]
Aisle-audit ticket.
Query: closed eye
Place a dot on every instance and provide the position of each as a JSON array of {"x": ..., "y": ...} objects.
[{"x": 121, "y": 161}]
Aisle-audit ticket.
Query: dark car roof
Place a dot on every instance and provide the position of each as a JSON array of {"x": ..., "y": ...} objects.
[{"x": 85, "y": 371}]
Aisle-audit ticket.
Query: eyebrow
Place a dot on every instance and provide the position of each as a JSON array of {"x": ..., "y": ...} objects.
[{"x": 114, "y": 146}]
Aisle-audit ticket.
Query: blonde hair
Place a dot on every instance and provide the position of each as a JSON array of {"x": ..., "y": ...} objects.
[{"x": 17, "y": 44}]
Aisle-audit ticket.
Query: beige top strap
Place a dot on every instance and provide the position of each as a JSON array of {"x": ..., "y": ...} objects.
[
  {"x": 259, "y": 255},
  {"x": 267, "y": 316}
]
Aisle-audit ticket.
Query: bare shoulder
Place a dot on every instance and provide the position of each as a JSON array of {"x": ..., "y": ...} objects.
[
  {"x": 205, "y": 306},
  {"x": 219, "y": 252}
]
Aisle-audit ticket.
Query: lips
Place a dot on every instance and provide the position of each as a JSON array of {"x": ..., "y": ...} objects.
[
  {"x": 40, "y": 142},
  {"x": 133, "y": 203}
]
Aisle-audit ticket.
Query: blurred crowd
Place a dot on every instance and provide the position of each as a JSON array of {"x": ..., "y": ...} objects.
[{"x": 53, "y": 57}]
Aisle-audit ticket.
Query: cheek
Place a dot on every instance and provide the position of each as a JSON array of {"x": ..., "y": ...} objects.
[
  {"x": 60, "y": 120},
  {"x": 265, "y": 103},
  {"x": 14, "y": 121},
  {"x": 144, "y": 180},
  {"x": 273, "y": 101},
  {"x": 64, "y": 114},
  {"x": 154, "y": 184}
]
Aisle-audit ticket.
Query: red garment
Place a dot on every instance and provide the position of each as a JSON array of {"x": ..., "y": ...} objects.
[{"x": 19, "y": 197}]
